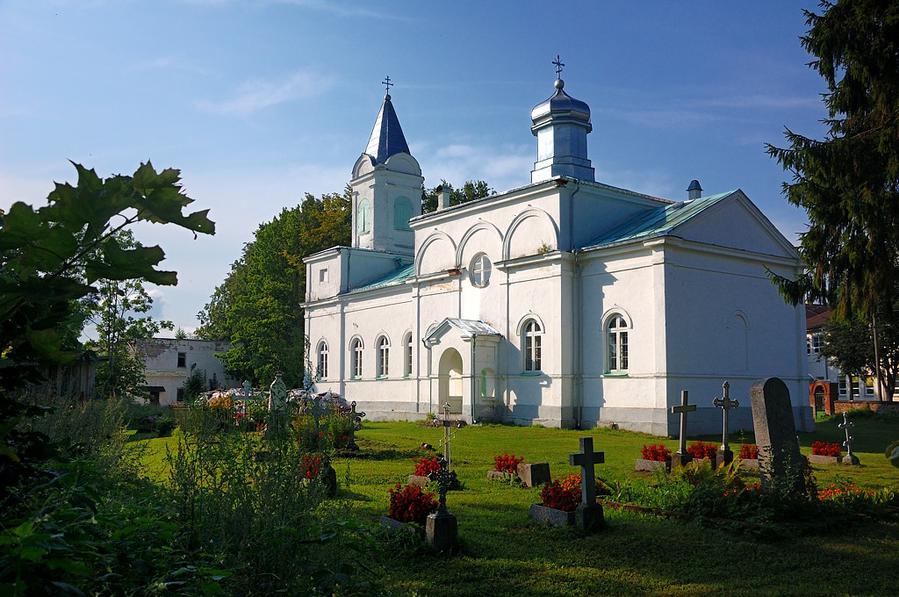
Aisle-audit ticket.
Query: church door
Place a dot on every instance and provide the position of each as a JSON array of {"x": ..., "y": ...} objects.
[{"x": 450, "y": 380}]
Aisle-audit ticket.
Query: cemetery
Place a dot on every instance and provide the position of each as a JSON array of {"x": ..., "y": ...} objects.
[{"x": 597, "y": 524}]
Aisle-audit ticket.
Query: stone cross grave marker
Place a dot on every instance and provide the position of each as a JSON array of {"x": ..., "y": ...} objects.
[
  {"x": 588, "y": 515},
  {"x": 846, "y": 425},
  {"x": 775, "y": 432},
  {"x": 682, "y": 456},
  {"x": 356, "y": 419},
  {"x": 725, "y": 404},
  {"x": 247, "y": 389},
  {"x": 441, "y": 528},
  {"x": 447, "y": 424},
  {"x": 277, "y": 407}
]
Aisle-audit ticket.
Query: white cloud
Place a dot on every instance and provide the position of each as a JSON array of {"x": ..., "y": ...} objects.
[
  {"x": 254, "y": 95},
  {"x": 503, "y": 167}
]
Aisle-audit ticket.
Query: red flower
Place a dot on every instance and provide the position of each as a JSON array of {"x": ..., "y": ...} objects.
[
  {"x": 702, "y": 450},
  {"x": 566, "y": 494},
  {"x": 426, "y": 466},
  {"x": 820, "y": 448},
  {"x": 311, "y": 465},
  {"x": 507, "y": 463},
  {"x": 749, "y": 452},
  {"x": 410, "y": 503},
  {"x": 656, "y": 452}
]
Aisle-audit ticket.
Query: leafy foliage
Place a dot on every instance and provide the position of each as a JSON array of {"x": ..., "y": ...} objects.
[
  {"x": 655, "y": 452},
  {"x": 470, "y": 191},
  {"x": 702, "y": 450},
  {"x": 256, "y": 308},
  {"x": 820, "y": 448},
  {"x": 848, "y": 183},
  {"x": 849, "y": 343},
  {"x": 426, "y": 466},
  {"x": 507, "y": 463}
]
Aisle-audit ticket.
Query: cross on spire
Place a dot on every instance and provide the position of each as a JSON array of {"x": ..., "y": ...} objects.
[
  {"x": 559, "y": 65},
  {"x": 387, "y": 84}
]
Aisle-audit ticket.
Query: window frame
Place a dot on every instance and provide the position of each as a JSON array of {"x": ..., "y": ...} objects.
[
  {"x": 357, "y": 352},
  {"x": 532, "y": 345},
  {"x": 402, "y": 223},
  {"x": 480, "y": 270},
  {"x": 617, "y": 345},
  {"x": 323, "y": 351},
  {"x": 182, "y": 360},
  {"x": 408, "y": 360},
  {"x": 363, "y": 221},
  {"x": 382, "y": 350}
]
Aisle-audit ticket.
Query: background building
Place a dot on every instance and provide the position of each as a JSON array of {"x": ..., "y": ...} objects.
[{"x": 169, "y": 361}]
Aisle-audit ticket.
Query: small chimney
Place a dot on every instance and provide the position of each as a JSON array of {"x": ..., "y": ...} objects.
[
  {"x": 443, "y": 197},
  {"x": 694, "y": 191}
]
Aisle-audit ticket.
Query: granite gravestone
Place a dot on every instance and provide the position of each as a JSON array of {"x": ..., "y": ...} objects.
[
  {"x": 277, "y": 408},
  {"x": 775, "y": 432}
]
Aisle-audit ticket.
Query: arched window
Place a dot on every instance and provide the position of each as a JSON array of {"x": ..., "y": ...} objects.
[
  {"x": 533, "y": 337},
  {"x": 356, "y": 357},
  {"x": 363, "y": 216},
  {"x": 617, "y": 336},
  {"x": 402, "y": 213},
  {"x": 479, "y": 270},
  {"x": 322, "y": 372},
  {"x": 383, "y": 347},
  {"x": 407, "y": 369}
]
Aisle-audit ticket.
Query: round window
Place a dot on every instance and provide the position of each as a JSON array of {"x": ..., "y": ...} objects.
[{"x": 479, "y": 271}]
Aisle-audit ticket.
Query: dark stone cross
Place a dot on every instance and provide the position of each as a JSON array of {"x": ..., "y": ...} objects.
[
  {"x": 725, "y": 404},
  {"x": 444, "y": 479},
  {"x": 441, "y": 528},
  {"x": 559, "y": 65},
  {"x": 682, "y": 455},
  {"x": 447, "y": 454},
  {"x": 586, "y": 459}
]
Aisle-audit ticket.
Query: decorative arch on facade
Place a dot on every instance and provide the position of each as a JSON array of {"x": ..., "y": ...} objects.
[
  {"x": 435, "y": 236},
  {"x": 612, "y": 312},
  {"x": 460, "y": 251},
  {"x": 363, "y": 165},
  {"x": 531, "y": 212},
  {"x": 403, "y": 162},
  {"x": 527, "y": 317}
]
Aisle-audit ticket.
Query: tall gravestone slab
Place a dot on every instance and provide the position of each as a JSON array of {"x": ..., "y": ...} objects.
[{"x": 775, "y": 430}]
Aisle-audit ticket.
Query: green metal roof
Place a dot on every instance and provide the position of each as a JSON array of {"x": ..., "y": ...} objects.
[
  {"x": 397, "y": 276},
  {"x": 657, "y": 222}
]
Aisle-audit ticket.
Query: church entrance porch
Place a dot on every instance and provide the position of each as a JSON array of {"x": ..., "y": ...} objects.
[{"x": 462, "y": 366}]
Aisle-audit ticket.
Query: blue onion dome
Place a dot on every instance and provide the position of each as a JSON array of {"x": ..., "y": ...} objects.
[{"x": 561, "y": 107}]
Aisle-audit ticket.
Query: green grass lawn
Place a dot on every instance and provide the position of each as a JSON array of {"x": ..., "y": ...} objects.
[{"x": 504, "y": 553}]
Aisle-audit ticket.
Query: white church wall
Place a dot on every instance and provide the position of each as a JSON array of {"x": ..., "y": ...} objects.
[
  {"x": 726, "y": 321},
  {"x": 755, "y": 233},
  {"x": 627, "y": 282}
]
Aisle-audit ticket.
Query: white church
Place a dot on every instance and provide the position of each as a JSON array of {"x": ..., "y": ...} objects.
[{"x": 566, "y": 302}]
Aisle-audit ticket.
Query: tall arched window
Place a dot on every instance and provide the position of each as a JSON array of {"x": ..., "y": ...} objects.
[
  {"x": 322, "y": 372},
  {"x": 402, "y": 213},
  {"x": 533, "y": 338},
  {"x": 356, "y": 357},
  {"x": 407, "y": 369},
  {"x": 363, "y": 216},
  {"x": 617, "y": 345},
  {"x": 383, "y": 347}
]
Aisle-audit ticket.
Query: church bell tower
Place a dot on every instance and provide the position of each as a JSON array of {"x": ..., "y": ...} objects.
[
  {"x": 561, "y": 124},
  {"x": 387, "y": 187}
]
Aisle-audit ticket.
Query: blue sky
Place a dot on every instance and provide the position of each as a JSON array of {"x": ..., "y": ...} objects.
[{"x": 260, "y": 101}]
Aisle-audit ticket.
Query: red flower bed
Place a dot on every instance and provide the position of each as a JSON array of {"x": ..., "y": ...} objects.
[
  {"x": 311, "y": 465},
  {"x": 566, "y": 494},
  {"x": 820, "y": 448},
  {"x": 507, "y": 463},
  {"x": 844, "y": 490},
  {"x": 427, "y": 465},
  {"x": 702, "y": 450},
  {"x": 656, "y": 452},
  {"x": 410, "y": 503},
  {"x": 749, "y": 452}
]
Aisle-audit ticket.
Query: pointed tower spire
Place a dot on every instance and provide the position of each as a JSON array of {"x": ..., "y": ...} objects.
[{"x": 387, "y": 136}]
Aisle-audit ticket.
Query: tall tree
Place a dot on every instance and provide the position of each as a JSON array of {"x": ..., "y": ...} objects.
[
  {"x": 471, "y": 190},
  {"x": 257, "y": 307},
  {"x": 848, "y": 182}
]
